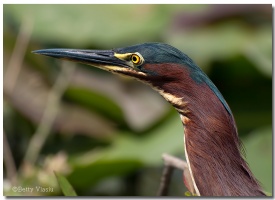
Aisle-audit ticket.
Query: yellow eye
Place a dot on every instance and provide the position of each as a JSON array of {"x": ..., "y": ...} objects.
[{"x": 136, "y": 59}]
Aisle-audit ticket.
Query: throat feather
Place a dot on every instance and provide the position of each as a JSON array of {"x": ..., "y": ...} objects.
[{"x": 178, "y": 102}]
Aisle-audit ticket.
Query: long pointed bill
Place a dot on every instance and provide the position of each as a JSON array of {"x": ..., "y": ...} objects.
[{"x": 105, "y": 59}]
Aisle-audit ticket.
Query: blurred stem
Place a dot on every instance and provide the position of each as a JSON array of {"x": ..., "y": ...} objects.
[
  {"x": 170, "y": 163},
  {"x": 50, "y": 113},
  {"x": 8, "y": 160},
  {"x": 17, "y": 56},
  {"x": 174, "y": 161},
  {"x": 165, "y": 180}
]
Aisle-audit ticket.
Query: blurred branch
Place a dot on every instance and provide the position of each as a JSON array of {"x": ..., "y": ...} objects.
[
  {"x": 165, "y": 180},
  {"x": 17, "y": 56},
  {"x": 9, "y": 161},
  {"x": 50, "y": 113},
  {"x": 173, "y": 161},
  {"x": 170, "y": 163}
]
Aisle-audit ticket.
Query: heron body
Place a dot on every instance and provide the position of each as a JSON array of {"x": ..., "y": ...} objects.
[{"x": 212, "y": 146}]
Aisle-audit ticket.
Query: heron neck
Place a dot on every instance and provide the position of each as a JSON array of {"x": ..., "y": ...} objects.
[
  {"x": 212, "y": 144},
  {"x": 211, "y": 138}
]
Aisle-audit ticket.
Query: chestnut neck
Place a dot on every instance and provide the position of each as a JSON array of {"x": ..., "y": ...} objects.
[{"x": 211, "y": 139}]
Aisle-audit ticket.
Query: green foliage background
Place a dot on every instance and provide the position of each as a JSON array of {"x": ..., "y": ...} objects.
[{"x": 109, "y": 132}]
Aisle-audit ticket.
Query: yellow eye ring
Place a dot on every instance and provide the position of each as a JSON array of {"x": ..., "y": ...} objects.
[{"x": 136, "y": 59}]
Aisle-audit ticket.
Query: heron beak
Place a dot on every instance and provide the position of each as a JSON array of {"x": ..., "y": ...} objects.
[{"x": 105, "y": 59}]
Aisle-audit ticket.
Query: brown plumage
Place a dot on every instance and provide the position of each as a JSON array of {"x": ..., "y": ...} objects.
[{"x": 211, "y": 137}]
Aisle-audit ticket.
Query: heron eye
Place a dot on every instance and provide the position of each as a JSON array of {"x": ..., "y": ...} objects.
[{"x": 136, "y": 59}]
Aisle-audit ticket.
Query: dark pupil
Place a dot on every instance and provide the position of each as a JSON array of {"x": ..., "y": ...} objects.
[{"x": 134, "y": 58}]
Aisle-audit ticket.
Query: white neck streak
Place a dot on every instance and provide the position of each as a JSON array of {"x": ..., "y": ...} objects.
[{"x": 187, "y": 160}]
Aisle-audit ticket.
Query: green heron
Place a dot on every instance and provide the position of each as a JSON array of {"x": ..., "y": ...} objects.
[{"x": 211, "y": 142}]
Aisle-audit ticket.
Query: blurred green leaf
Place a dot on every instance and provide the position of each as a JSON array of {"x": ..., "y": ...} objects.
[
  {"x": 85, "y": 176},
  {"x": 134, "y": 152},
  {"x": 268, "y": 193},
  {"x": 188, "y": 194},
  {"x": 95, "y": 102},
  {"x": 165, "y": 138},
  {"x": 259, "y": 158},
  {"x": 65, "y": 186}
]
